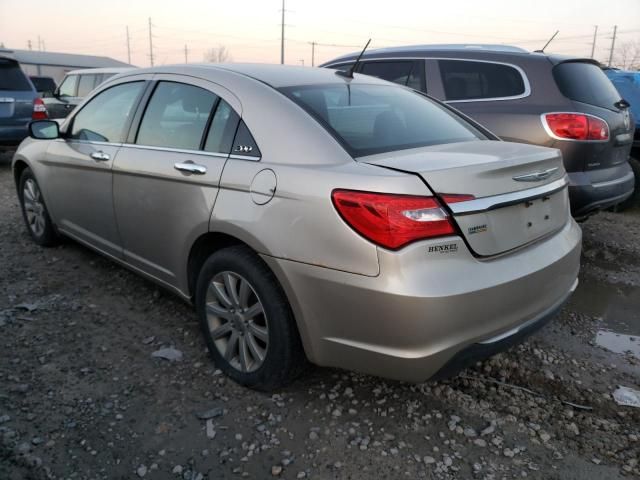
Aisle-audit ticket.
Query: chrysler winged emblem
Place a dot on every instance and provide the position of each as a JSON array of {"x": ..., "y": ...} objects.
[{"x": 536, "y": 176}]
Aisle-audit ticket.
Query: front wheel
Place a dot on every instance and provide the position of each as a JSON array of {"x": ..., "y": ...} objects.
[
  {"x": 247, "y": 321},
  {"x": 34, "y": 211}
]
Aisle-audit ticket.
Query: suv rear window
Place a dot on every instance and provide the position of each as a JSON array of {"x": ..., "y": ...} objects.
[
  {"x": 469, "y": 80},
  {"x": 586, "y": 83},
  {"x": 12, "y": 77},
  {"x": 370, "y": 119}
]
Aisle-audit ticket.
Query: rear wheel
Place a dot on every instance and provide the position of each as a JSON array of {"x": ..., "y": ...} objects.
[
  {"x": 634, "y": 199},
  {"x": 34, "y": 211},
  {"x": 246, "y": 320}
]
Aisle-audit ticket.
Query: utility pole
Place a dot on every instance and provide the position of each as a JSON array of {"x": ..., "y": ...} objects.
[
  {"x": 39, "y": 43},
  {"x": 186, "y": 54},
  {"x": 128, "y": 47},
  {"x": 593, "y": 45},
  {"x": 613, "y": 44},
  {"x": 29, "y": 45},
  {"x": 313, "y": 54},
  {"x": 282, "y": 37},
  {"x": 150, "y": 43},
  {"x": 44, "y": 49}
]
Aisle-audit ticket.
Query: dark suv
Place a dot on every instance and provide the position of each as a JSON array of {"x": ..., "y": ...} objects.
[
  {"x": 549, "y": 100},
  {"x": 19, "y": 103}
]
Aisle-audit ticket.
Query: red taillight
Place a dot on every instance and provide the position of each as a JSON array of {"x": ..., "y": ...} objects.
[
  {"x": 39, "y": 110},
  {"x": 392, "y": 221},
  {"x": 576, "y": 126}
]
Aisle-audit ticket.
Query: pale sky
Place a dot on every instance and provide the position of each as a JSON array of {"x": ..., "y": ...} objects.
[{"x": 250, "y": 29}]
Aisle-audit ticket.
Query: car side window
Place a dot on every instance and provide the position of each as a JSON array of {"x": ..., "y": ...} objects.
[
  {"x": 244, "y": 143},
  {"x": 68, "y": 86},
  {"x": 176, "y": 116},
  {"x": 222, "y": 130},
  {"x": 404, "y": 72},
  {"x": 86, "y": 84},
  {"x": 104, "y": 117},
  {"x": 469, "y": 80}
]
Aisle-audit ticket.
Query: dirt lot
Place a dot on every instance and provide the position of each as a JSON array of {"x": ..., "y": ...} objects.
[{"x": 82, "y": 397}]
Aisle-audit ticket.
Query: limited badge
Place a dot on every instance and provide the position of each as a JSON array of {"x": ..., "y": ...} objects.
[{"x": 477, "y": 229}]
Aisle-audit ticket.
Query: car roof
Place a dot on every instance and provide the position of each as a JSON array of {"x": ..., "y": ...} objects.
[
  {"x": 274, "y": 75},
  {"x": 101, "y": 70},
  {"x": 479, "y": 51}
]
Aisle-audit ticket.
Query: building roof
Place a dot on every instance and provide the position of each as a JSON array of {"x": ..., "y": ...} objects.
[{"x": 36, "y": 57}]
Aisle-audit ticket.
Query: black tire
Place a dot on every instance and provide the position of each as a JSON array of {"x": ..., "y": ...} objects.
[
  {"x": 284, "y": 359},
  {"x": 44, "y": 233},
  {"x": 634, "y": 199}
]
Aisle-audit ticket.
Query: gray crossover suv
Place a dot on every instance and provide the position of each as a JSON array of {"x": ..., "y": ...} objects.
[
  {"x": 561, "y": 102},
  {"x": 349, "y": 221}
]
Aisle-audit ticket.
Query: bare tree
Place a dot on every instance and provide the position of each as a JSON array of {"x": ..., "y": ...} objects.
[
  {"x": 627, "y": 55},
  {"x": 218, "y": 55}
]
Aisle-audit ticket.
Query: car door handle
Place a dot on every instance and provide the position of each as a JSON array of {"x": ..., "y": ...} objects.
[
  {"x": 191, "y": 167},
  {"x": 100, "y": 156}
]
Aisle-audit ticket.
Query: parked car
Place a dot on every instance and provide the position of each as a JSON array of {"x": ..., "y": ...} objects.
[
  {"x": 45, "y": 86},
  {"x": 75, "y": 86},
  {"x": 351, "y": 222},
  {"x": 536, "y": 98},
  {"x": 19, "y": 103},
  {"x": 628, "y": 85}
]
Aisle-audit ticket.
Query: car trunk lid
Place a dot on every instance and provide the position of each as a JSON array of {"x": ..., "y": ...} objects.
[{"x": 519, "y": 191}]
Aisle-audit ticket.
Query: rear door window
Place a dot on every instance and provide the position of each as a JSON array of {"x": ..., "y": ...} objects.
[
  {"x": 104, "y": 117},
  {"x": 86, "y": 84},
  {"x": 12, "y": 77},
  {"x": 409, "y": 73},
  {"x": 68, "y": 86},
  {"x": 176, "y": 116},
  {"x": 469, "y": 80},
  {"x": 586, "y": 83},
  {"x": 222, "y": 130}
]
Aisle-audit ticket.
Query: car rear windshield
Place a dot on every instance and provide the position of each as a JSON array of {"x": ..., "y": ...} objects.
[
  {"x": 586, "y": 83},
  {"x": 370, "y": 119},
  {"x": 12, "y": 77},
  {"x": 43, "y": 84}
]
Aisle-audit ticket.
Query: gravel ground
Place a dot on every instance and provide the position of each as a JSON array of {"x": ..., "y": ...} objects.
[{"x": 81, "y": 395}]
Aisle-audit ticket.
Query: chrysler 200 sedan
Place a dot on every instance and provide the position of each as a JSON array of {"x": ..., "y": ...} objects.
[{"x": 310, "y": 215}]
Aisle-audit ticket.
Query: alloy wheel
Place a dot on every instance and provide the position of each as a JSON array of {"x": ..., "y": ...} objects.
[
  {"x": 34, "y": 207},
  {"x": 237, "y": 321}
]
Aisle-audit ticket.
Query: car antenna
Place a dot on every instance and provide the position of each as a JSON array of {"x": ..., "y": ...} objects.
[
  {"x": 547, "y": 44},
  {"x": 349, "y": 73}
]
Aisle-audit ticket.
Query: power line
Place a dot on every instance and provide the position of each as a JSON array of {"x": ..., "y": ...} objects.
[
  {"x": 282, "y": 37},
  {"x": 128, "y": 47},
  {"x": 593, "y": 45},
  {"x": 150, "y": 44},
  {"x": 613, "y": 44}
]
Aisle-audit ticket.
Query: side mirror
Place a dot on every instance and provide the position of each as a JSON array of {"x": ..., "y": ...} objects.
[
  {"x": 56, "y": 92},
  {"x": 44, "y": 129}
]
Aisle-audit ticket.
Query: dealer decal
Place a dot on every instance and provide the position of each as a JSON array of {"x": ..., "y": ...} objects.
[{"x": 448, "y": 248}]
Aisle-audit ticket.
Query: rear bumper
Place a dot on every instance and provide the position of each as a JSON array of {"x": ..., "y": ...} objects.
[
  {"x": 415, "y": 318},
  {"x": 11, "y": 136},
  {"x": 594, "y": 190}
]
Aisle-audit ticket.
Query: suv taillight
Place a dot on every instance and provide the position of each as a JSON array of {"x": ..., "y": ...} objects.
[
  {"x": 392, "y": 221},
  {"x": 576, "y": 126},
  {"x": 39, "y": 110}
]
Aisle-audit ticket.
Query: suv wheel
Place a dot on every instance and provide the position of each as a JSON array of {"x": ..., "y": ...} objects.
[
  {"x": 34, "y": 211},
  {"x": 246, "y": 320}
]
